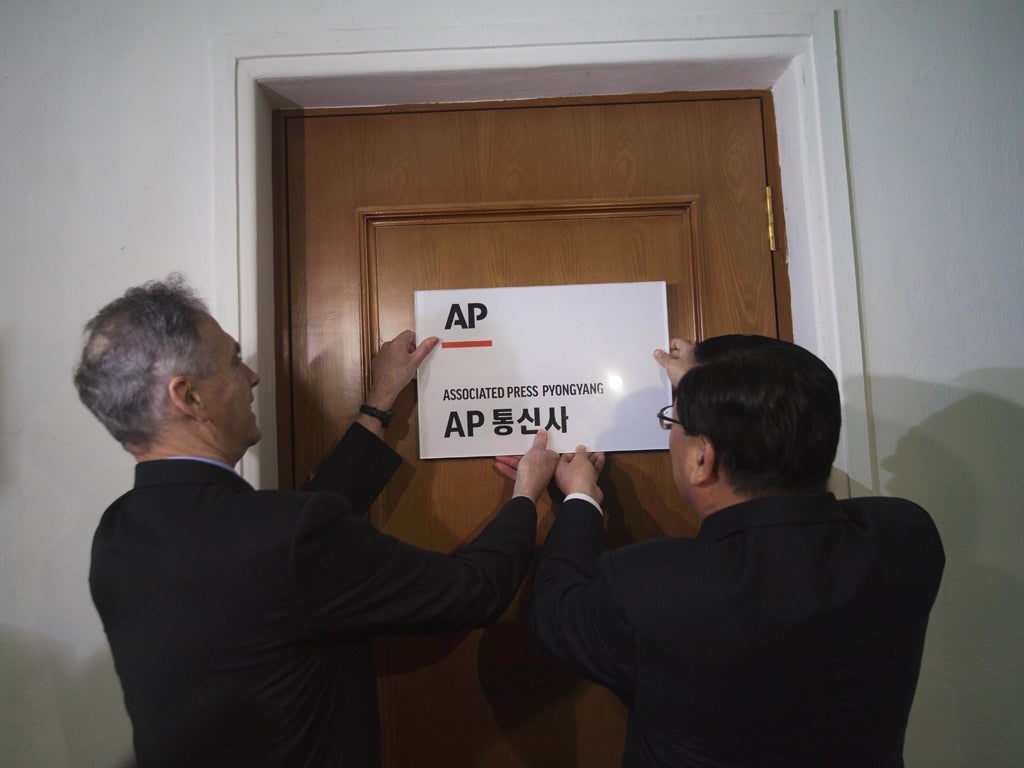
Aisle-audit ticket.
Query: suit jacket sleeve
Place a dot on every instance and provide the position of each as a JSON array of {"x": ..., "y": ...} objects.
[
  {"x": 358, "y": 468},
  {"x": 353, "y": 581},
  {"x": 575, "y": 616}
]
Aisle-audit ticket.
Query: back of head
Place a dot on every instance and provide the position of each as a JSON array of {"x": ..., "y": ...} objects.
[
  {"x": 770, "y": 408},
  {"x": 134, "y": 346}
]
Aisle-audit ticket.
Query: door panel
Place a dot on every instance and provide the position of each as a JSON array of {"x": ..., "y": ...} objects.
[{"x": 380, "y": 205}]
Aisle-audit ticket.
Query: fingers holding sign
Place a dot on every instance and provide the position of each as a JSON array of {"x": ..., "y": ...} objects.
[
  {"x": 677, "y": 361},
  {"x": 578, "y": 472},
  {"x": 507, "y": 465},
  {"x": 395, "y": 365},
  {"x": 573, "y": 472},
  {"x": 533, "y": 470}
]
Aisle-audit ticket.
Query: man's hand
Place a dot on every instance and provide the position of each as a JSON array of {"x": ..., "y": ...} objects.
[
  {"x": 507, "y": 465},
  {"x": 578, "y": 472},
  {"x": 394, "y": 366},
  {"x": 532, "y": 471},
  {"x": 677, "y": 361}
]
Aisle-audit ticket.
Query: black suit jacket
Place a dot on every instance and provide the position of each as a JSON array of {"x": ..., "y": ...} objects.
[
  {"x": 240, "y": 620},
  {"x": 787, "y": 633}
]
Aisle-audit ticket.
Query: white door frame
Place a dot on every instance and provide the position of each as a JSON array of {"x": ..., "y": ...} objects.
[{"x": 792, "y": 54}]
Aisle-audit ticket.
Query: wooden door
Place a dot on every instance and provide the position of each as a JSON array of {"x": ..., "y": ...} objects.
[{"x": 374, "y": 205}]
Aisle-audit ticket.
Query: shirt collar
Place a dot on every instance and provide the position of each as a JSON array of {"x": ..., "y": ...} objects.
[
  {"x": 205, "y": 460},
  {"x": 187, "y": 470}
]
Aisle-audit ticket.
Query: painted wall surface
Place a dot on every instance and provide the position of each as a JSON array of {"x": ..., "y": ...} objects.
[{"x": 107, "y": 178}]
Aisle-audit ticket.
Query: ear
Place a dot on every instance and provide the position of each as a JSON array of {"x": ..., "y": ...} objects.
[
  {"x": 703, "y": 468},
  {"x": 185, "y": 399}
]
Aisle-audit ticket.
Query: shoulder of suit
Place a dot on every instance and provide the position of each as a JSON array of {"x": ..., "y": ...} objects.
[{"x": 885, "y": 508}]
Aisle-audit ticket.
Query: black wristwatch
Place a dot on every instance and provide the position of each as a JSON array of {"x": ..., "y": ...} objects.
[{"x": 383, "y": 416}]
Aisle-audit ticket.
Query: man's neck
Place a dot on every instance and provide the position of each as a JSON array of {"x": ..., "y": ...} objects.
[
  {"x": 173, "y": 447},
  {"x": 716, "y": 498}
]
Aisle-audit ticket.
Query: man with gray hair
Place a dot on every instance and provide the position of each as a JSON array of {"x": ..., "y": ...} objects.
[{"x": 240, "y": 620}]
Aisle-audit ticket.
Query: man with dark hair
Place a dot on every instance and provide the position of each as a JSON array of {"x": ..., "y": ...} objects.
[
  {"x": 240, "y": 620},
  {"x": 789, "y": 631}
]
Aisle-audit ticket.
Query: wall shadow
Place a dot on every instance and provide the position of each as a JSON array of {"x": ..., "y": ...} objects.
[
  {"x": 963, "y": 462},
  {"x": 45, "y": 687}
]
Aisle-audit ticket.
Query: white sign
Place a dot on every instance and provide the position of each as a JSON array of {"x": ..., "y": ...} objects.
[{"x": 576, "y": 360}]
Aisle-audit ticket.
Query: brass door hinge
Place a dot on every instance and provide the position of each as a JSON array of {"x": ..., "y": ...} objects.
[{"x": 771, "y": 218}]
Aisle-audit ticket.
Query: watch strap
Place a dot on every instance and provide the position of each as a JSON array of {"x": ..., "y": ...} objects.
[{"x": 383, "y": 416}]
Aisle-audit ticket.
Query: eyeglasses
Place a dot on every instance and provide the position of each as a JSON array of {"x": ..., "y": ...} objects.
[{"x": 665, "y": 418}]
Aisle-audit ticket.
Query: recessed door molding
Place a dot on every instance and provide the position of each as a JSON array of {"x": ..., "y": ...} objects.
[{"x": 792, "y": 54}]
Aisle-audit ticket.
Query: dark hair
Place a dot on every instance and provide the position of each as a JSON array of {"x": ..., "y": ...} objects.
[
  {"x": 770, "y": 408},
  {"x": 134, "y": 346}
]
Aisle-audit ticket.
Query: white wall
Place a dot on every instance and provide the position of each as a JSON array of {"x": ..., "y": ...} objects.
[{"x": 109, "y": 175}]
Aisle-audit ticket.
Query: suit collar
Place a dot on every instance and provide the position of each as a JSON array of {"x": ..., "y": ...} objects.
[
  {"x": 774, "y": 510},
  {"x": 174, "y": 471}
]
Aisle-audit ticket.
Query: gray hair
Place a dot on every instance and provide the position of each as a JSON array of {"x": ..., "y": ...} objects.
[{"x": 134, "y": 346}]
